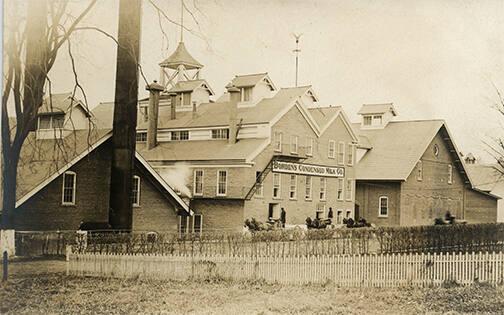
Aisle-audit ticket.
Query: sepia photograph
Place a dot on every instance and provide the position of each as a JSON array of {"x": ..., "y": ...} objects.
[{"x": 252, "y": 157}]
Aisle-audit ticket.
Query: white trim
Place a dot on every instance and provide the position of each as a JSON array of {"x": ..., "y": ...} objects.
[
  {"x": 202, "y": 182},
  {"x": 226, "y": 184},
  {"x": 310, "y": 197},
  {"x": 259, "y": 186},
  {"x": 346, "y": 122},
  {"x": 277, "y": 138},
  {"x": 341, "y": 153},
  {"x": 248, "y": 164},
  {"x": 323, "y": 180},
  {"x": 350, "y": 157},
  {"x": 351, "y": 189},
  {"x": 62, "y": 170},
  {"x": 342, "y": 182},
  {"x": 380, "y": 215},
  {"x": 167, "y": 187},
  {"x": 137, "y": 204},
  {"x": 74, "y": 189},
  {"x": 450, "y": 174},
  {"x": 333, "y": 143},
  {"x": 296, "y": 145},
  {"x": 201, "y": 223},
  {"x": 279, "y": 195},
  {"x": 310, "y": 141}
]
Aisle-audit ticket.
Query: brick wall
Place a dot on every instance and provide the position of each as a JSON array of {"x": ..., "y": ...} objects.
[
  {"x": 44, "y": 210},
  {"x": 368, "y": 197},
  {"x": 480, "y": 208},
  {"x": 220, "y": 214}
]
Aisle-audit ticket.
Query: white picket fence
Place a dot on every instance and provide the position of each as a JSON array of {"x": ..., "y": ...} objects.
[{"x": 380, "y": 270}]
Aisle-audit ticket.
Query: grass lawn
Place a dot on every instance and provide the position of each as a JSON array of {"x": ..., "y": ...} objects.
[{"x": 41, "y": 287}]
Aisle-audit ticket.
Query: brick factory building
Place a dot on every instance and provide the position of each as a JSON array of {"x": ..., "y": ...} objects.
[{"x": 411, "y": 172}]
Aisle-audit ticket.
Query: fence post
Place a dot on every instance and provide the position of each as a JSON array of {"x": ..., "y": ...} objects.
[{"x": 5, "y": 263}]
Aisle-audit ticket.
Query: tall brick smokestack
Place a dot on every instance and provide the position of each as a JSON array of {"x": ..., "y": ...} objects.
[
  {"x": 234, "y": 98},
  {"x": 154, "y": 90},
  {"x": 125, "y": 114}
]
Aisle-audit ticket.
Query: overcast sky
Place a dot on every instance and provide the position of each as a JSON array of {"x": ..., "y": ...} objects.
[{"x": 432, "y": 59}]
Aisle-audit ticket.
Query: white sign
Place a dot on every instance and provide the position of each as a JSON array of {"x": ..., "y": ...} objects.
[{"x": 308, "y": 169}]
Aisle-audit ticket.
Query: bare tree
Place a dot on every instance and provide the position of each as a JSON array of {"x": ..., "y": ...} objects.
[{"x": 38, "y": 38}]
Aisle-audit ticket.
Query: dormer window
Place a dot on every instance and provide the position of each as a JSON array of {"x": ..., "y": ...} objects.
[
  {"x": 377, "y": 120},
  {"x": 185, "y": 99},
  {"x": 246, "y": 94},
  {"x": 51, "y": 121},
  {"x": 367, "y": 120}
]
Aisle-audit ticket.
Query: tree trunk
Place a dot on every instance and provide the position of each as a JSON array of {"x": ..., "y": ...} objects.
[
  {"x": 9, "y": 172},
  {"x": 125, "y": 114}
]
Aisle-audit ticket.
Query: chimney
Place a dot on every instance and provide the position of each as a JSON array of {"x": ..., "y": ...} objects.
[
  {"x": 194, "y": 114},
  {"x": 153, "y": 111},
  {"x": 173, "y": 102},
  {"x": 234, "y": 97}
]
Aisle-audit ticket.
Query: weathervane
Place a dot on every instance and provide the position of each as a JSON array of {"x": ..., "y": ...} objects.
[{"x": 297, "y": 51}]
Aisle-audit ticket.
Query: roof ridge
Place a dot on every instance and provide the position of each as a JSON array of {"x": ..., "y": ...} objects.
[{"x": 250, "y": 74}]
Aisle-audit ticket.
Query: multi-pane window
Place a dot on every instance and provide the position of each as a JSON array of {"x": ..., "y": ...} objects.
[
  {"x": 367, "y": 120},
  {"x": 141, "y": 136},
  {"x": 197, "y": 224},
  {"x": 58, "y": 121},
  {"x": 341, "y": 152},
  {"x": 259, "y": 186},
  {"x": 276, "y": 185},
  {"x": 180, "y": 135},
  {"x": 331, "y": 152},
  {"x": 246, "y": 94},
  {"x": 294, "y": 144},
  {"x": 293, "y": 187},
  {"x": 185, "y": 98},
  {"x": 377, "y": 120},
  {"x": 183, "y": 225},
  {"x": 135, "y": 191},
  {"x": 198, "y": 182},
  {"x": 220, "y": 133},
  {"x": 419, "y": 171},
  {"x": 348, "y": 191},
  {"x": 68, "y": 194},
  {"x": 339, "y": 193},
  {"x": 221, "y": 183},
  {"x": 308, "y": 188},
  {"x": 350, "y": 155},
  {"x": 450, "y": 174},
  {"x": 309, "y": 146},
  {"x": 51, "y": 121},
  {"x": 278, "y": 141},
  {"x": 383, "y": 207},
  {"x": 323, "y": 182}
]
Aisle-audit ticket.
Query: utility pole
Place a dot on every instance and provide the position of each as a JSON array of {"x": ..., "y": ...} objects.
[
  {"x": 297, "y": 51},
  {"x": 125, "y": 114}
]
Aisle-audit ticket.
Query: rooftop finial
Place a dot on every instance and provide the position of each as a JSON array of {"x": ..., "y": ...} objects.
[{"x": 297, "y": 51}]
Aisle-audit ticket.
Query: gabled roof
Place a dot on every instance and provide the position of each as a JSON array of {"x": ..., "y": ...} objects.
[
  {"x": 486, "y": 177},
  {"x": 190, "y": 85},
  {"x": 395, "y": 149},
  {"x": 60, "y": 104},
  {"x": 247, "y": 80},
  {"x": 377, "y": 109},
  {"x": 324, "y": 115},
  {"x": 181, "y": 57},
  {"x": 42, "y": 161}
]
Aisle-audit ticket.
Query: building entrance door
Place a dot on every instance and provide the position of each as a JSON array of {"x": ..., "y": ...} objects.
[
  {"x": 357, "y": 212},
  {"x": 273, "y": 212}
]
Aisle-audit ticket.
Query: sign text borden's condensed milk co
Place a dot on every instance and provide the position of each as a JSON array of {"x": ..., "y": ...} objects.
[{"x": 308, "y": 169}]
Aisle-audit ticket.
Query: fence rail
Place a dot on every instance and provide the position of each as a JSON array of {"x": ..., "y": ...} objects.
[{"x": 378, "y": 270}]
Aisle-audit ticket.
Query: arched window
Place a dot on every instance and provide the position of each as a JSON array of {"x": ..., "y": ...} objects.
[
  {"x": 383, "y": 206},
  {"x": 68, "y": 189}
]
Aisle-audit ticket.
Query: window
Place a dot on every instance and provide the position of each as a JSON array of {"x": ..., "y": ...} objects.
[
  {"x": 331, "y": 150},
  {"x": 183, "y": 226},
  {"x": 293, "y": 187},
  {"x": 197, "y": 224},
  {"x": 339, "y": 217},
  {"x": 276, "y": 185},
  {"x": 246, "y": 94},
  {"x": 221, "y": 183},
  {"x": 51, "y": 121},
  {"x": 308, "y": 188},
  {"x": 319, "y": 213},
  {"x": 68, "y": 194},
  {"x": 198, "y": 182},
  {"x": 341, "y": 152},
  {"x": 348, "y": 191},
  {"x": 436, "y": 150},
  {"x": 377, "y": 120},
  {"x": 450, "y": 174},
  {"x": 278, "y": 141},
  {"x": 340, "y": 189},
  {"x": 259, "y": 186},
  {"x": 135, "y": 191},
  {"x": 348, "y": 214},
  {"x": 367, "y": 120},
  {"x": 185, "y": 98},
  {"x": 180, "y": 135},
  {"x": 141, "y": 136},
  {"x": 294, "y": 144},
  {"x": 419, "y": 171},
  {"x": 383, "y": 207},
  {"x": 350, "y": 155},
  {"x": 309, "y": 146},
  {"x": 220, "y": 133},
  {"x": 323, "y": 183}
]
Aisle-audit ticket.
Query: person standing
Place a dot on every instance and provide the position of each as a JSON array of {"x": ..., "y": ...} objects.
[{"x": 283, "y": 217}]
